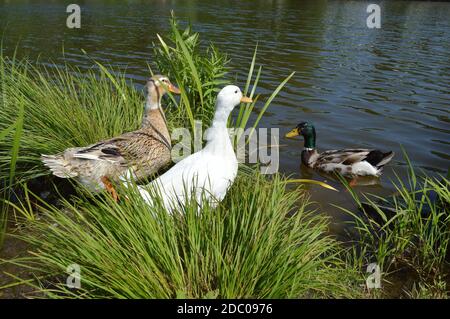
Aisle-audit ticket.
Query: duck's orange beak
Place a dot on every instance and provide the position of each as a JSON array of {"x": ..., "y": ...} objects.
[
  {"x": 172, "y": 88},
  {"x": 245, "y": 99}
]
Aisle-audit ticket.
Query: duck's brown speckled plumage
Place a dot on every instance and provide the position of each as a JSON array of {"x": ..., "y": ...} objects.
[{"x": 140, "y": 153}]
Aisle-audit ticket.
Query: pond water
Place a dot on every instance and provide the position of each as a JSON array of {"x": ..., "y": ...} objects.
[{"x": 376, "y": 88}]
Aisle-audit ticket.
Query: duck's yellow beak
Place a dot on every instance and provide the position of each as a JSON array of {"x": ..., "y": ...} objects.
[
  {"x": 172, "y": 88},
  {"x": 245, "y": 99},
  {"x": 293, "y": 133}
]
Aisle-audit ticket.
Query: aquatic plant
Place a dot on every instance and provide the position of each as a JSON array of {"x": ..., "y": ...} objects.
[
  {"x": 6, "y": 182},
  {"x": 257, "y": 243},
  {"x": 62, "y": 108},
  {"x": 408, "y": 231},
  {"x": 199, "y": 73}
]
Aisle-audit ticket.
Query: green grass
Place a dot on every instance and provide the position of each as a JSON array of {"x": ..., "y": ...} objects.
[
  {"x": 436, "y": 289},
  {"x": 409, "y": 232},
  {"x": 248, "y": 247},
  {"x": 62, "y": 108},
  {"x": 199, "y": 73},
  {"x": 15, "y": 130}
]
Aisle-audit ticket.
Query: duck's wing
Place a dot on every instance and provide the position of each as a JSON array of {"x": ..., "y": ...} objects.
[
  {"x": 199, "y": 175},
  {"x": 171, "y": 184},
  {"x": 127, "y": 150},
  {"x": 343, "y": 156},
  {"x": 117, "y": 150},
  {"x": 110, "y": 151},
  {"x": 184, "y": 173},
  {"x": 81, "y": 161},
  {"x": 375, "y": 159}
]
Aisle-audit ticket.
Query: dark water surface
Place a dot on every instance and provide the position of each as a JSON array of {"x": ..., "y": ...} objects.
[{"x": 361, "y": 87}]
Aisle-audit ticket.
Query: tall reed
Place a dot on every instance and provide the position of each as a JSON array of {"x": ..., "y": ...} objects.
[
  {"x": 7, "y": 182},
  {"x": 409, "y": 231},
  {"x": 257, "y": 244}
]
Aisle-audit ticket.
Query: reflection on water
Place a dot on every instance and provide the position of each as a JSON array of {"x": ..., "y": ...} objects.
[{"x": 361, "y": 87}]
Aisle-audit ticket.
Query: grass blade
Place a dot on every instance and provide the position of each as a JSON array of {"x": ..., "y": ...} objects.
[{"x": 311, "y": 181}]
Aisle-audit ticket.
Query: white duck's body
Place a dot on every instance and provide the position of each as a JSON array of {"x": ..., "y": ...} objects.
[{"x": 209, "y": 173}]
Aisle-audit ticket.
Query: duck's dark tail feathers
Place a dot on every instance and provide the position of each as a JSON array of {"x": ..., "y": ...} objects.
[{"x": 379, "y": 159}]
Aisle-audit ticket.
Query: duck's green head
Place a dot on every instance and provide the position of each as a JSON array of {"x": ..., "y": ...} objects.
[{"x": 308, "y": 132}]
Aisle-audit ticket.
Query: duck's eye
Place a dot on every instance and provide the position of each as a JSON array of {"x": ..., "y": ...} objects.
[{"x": 235, "y": 92}]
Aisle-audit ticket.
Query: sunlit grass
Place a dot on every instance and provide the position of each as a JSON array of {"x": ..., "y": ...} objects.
[
  {"x": 62, "y": 109},
  {"x": 199, "y": 73},
  {"x": 6, "y": 184},
  {"x": 257, "y": 244},
  {"x": 407, "y": 232}
]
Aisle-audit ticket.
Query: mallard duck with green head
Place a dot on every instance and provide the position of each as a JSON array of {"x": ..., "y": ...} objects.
[{"x": 350, "y": 162}]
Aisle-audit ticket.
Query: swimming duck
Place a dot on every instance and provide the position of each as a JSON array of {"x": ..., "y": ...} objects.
[
  {"x": 347, "y": 162},
  {"x": 140, "y": 153},
  {"x": 207, "y": 173}
]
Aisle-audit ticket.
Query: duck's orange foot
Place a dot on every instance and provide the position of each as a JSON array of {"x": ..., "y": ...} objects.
[{"x": 110, "y": 188}]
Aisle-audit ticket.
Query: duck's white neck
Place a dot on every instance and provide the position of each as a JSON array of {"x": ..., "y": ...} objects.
[
  {"x": 221, "y": 117},
  {"x": 218, "y": 139}
]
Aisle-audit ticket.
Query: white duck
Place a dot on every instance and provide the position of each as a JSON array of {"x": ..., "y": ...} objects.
[{"x": 208, "y": 173}]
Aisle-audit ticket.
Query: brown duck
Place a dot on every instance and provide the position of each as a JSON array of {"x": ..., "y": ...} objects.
[{"x": 139, "y": 153}]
